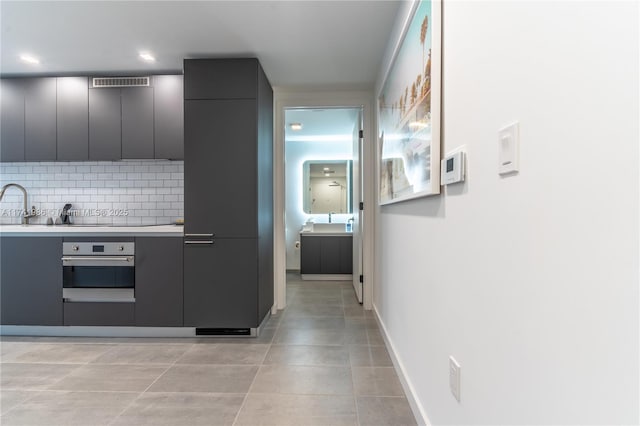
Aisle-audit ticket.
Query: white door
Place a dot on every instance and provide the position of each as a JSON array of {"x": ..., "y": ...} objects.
[{"x": 357, "y": 213}]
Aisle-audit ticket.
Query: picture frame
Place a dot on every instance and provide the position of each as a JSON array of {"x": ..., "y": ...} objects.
[{"x": 409, "y": 110}]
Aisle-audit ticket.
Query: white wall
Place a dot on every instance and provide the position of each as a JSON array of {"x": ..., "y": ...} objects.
[
  {"x": 529, "y": 281},
  {"x": 101, "y": 192},
  {"x": 296, "y": 153}
]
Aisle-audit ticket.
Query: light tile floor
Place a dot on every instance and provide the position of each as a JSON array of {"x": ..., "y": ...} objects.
[{"x": 320, "y": 362}]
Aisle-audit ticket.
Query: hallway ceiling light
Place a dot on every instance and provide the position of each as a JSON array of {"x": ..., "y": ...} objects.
[
  {"x": 146, "y": 56},
  {"x": 29, "y": 59},
  {"x": 295, "y": 126},
  {"x": 320, "y": 138}
]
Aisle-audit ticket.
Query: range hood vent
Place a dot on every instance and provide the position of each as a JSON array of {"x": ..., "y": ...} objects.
[{"x": 120, "y": 82}]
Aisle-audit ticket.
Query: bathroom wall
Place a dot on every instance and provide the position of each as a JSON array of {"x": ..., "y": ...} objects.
[
  {"x": 145, "y": 192},
  {"x": 296, "y": 153}
]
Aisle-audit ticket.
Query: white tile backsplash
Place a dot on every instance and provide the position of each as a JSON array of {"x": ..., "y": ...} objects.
[{"x": 104, "y": 192}]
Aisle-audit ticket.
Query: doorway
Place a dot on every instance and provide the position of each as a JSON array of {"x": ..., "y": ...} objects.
[
  {"x": 323, "y": 189},
  {"x": 294, "y": 98}
]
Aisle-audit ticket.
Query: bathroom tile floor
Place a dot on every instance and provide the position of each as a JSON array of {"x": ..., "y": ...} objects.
[{"x": 321, "y": 361}]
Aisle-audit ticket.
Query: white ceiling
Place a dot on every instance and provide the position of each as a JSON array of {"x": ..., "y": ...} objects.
[
  {"x": 299, "y": 43},
  {"x": 327, "y": 124}
]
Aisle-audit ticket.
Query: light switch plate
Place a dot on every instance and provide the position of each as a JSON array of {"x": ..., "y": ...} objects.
[
  {"x": 454, "y": 378},
  {"x": 509, "y": 149}
]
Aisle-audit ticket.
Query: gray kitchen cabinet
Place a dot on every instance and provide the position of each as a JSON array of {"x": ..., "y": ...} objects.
[
  {"x": 137, "y": 122},
  {"x": 168, "y": 110},
  {"x": 72, "y": 118},
  {"x": 66, "y": 119},
  {"x": 40, "y": 119},
  {"x": 120, "y": 123},
  {"x": 31, "y": 274},
  {"x": 159, "y": 290},
  {"x": 104, "y": 124},
  {"x": 12, "y": 119},
  {"x": 220, "y": 170},
  {"x": 326, "y": 254},
  {"x": 220, "y": 289},
  {"x": 221, "y": 79},
  {"x": 228, "y": 155},
  {"x": 99, "y": 314}
]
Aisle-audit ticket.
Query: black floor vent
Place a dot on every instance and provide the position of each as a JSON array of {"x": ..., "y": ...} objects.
[{"x": 223, "y": 332}]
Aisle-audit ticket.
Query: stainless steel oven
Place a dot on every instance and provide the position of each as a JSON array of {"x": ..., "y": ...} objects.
[{"x": 98, "y": 271}]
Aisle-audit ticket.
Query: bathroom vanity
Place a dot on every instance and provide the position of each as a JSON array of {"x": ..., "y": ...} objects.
[{"x": 326, "y": 253}]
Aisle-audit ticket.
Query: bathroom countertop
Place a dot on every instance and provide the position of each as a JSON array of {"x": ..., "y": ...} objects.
[
  {"x": 325, "y": 234},
  {"x": 91, "y": 231}
]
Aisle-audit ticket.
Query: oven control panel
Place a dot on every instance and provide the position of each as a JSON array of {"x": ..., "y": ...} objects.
[{"x": 98, "y": 248}]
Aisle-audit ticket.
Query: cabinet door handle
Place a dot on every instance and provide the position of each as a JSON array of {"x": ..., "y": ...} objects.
[
  {"x": 198, "y": 242},
  {"x": 199, "y": 235}
]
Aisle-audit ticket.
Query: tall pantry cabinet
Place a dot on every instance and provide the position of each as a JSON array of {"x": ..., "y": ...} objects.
[{"x": 228, "y": 184}]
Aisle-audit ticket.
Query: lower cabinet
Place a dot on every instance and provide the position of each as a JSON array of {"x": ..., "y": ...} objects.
[
  {"x": 99, "y": 314},
  {"x": 31, "y": 277},
  {"x": 326, "y": 254},
  {"x": 31, "y": 286},
  {"x": 159, "y": 290},
  {"x": 221, "y": 284}
]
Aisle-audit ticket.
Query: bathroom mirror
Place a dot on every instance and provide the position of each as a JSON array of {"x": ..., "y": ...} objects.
[{"x": 327, "y": 186}]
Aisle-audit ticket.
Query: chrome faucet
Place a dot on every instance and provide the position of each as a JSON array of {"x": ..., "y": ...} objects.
[
  {"x": 26, "y": 215},
  {"x": 330, "y": 213}
]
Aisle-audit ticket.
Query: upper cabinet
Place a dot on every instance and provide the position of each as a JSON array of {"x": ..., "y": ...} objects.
[
  {"x": 28, "y": 119},
  {"x": 67, "y": 119},
  {"x": 137, "y": 122},
  {"x": 105, "y": 132},
  {"x": 12, "y": 119},
  {"x": 72, "y": 119},
  {"x": 40, "y": 119},
  {"x": 168, "y": 110}
]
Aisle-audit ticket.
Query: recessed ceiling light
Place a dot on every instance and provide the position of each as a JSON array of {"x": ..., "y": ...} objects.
[
  {"x": 326, "y": 169},
  {"x": 295, "y": 126},
  {"x": 327, "y": 174},
  {"x": 29, "y": 59},
  {"x": 146, "y": 56}
]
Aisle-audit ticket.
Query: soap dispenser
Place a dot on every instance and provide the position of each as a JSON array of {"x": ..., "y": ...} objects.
[{"x": 349, "y": 225}]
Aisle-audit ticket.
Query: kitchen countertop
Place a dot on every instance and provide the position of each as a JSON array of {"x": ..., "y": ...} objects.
[{"x": 91, "y": 231}]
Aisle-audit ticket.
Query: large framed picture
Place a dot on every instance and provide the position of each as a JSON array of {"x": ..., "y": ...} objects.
[{"x": 409, "y": 110}]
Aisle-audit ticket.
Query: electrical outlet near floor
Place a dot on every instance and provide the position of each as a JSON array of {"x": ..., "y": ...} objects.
[{"x": 454, "y": 377}]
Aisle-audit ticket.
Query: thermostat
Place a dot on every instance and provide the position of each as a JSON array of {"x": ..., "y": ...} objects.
[{"x": 452, "y": 168}]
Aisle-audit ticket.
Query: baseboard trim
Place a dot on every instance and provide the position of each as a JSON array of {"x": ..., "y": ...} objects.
[{"x": 418, "y": 410}]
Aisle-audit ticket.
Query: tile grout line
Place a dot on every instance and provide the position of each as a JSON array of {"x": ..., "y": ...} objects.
[
  {"x": 246, "y": 396},
  {"x": 35, "y": 392},
  {"x": 48, "y": 389},
  {"x": 148, "y": 387}
]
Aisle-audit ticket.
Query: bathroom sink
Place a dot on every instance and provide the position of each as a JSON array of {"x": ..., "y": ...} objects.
[{"x": 327, "y": 228}]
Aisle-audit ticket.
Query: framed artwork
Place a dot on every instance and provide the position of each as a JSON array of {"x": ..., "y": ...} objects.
[{"x": 409, "y": 110}]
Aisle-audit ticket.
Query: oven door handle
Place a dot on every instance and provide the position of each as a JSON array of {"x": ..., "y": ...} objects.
[{"x": 84, "y": 259}]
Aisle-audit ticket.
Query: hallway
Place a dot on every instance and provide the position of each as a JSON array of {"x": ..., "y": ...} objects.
[{"x": 320, "y": 362}]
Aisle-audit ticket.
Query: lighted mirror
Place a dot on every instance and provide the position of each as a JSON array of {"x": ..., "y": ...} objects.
[{"x": 327, "y": 186}]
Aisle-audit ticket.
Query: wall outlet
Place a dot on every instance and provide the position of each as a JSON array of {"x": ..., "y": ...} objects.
[{"x": 454, "y": 378}]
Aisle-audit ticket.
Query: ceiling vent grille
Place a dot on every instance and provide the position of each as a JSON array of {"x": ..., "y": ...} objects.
[{"x": 120, "y": 81}]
